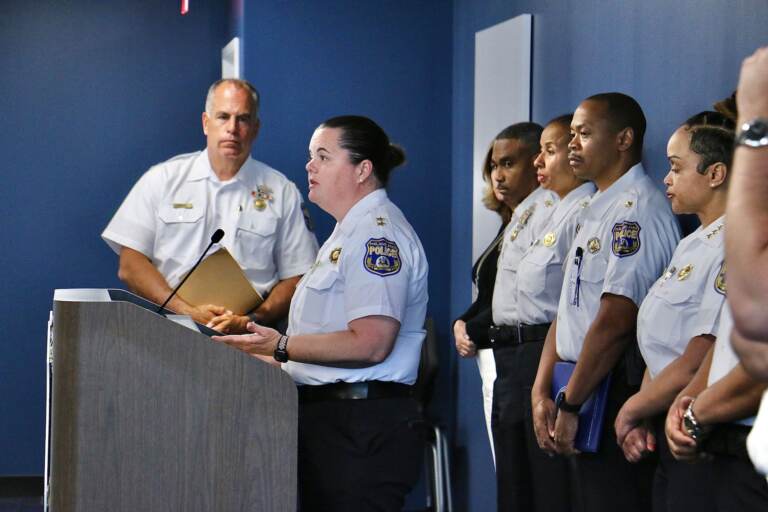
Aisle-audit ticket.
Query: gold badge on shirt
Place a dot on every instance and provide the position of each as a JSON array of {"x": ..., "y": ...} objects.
[
  {"x": 261, "y": 196},
  {"x": 684, "y": 272},
  {"x": 549, "y": 239},
  {"x": 593, "y": 245},
  {"x": 720, "y": 280},
  {"x": 335, "y": 255}
]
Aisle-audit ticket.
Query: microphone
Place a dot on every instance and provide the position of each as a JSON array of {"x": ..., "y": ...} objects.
[{"x": 215, "y": 238}]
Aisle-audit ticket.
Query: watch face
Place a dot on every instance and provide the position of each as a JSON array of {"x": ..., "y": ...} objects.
[
  {"x": 754, "y": 133},
  {"x": 757, "y": 130}
]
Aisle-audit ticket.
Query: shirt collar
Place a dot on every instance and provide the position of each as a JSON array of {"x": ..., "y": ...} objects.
[
  {"x": 579, "y": 194},
  {"x": 360, "y": 208},
  {"x": 709, "y": 234},
  {"x": 538, "y": 194},
  {"x": 602, "y": 200},
  {"x": 248, "y": 174}
]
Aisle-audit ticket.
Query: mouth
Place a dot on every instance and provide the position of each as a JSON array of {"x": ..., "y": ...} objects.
[
  {"x": 574, "y": 160},
  {"x": 312, "y": 183},
  {"x": 541, "y": 178},
  {"x": 670, "y": 195}
]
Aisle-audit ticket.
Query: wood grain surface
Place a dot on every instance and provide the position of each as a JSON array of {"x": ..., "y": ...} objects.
[{"x": 148, "y": 415}]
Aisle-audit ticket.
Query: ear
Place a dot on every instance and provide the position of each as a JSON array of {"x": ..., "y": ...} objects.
[
  {"x": 625, "y": 138},
  {"x": 363, "y": 170},
  {"x": 717, "y": 174},
  {"x": 205, "y": 120}
]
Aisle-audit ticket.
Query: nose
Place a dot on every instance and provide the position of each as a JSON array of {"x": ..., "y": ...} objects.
[
  {"x": 308, "y": 167},
  {"x": 668, "y": 179},
  {"x": 231, "y": 125},
  {"x": 538, "y": 162},
  {"x": 573, "y": 143}
]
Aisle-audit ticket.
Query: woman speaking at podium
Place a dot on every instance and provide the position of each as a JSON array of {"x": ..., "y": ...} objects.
[{"x": 355, "y": 330}]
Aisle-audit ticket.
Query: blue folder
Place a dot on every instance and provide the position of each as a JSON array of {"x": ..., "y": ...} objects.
[{"x": 592, "y": 413}]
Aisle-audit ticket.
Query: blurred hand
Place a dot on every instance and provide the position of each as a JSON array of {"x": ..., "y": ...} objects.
[
  {"x": 544, "y": 414},
  {"x": 751, "y": 96},
  {"x": 682, "y": 446},
  {"x": 566, "y": 426},
  {"x": 638, "y": 443},
  {"x": 229, "y": 323},
  {"x": 464, "y": 345},
  {"x": 206, "y": 312},
  {"x": 625, "y": 422}
]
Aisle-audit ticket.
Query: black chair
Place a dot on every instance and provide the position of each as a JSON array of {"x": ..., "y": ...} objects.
[{"x": 439, "y": 497}]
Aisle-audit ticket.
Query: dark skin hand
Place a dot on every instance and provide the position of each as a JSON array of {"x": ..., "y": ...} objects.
[{"x": 604, "y": 344}]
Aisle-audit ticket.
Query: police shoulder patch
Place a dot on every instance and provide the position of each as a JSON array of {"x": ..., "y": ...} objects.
[
  {"x": 626, "y": 238},
  {"x": 382, "y": 257},
  {"x": 720, "y": 280}
]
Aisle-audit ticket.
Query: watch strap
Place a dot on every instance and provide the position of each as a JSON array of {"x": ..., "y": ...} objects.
[
  {"x": 281, "y": 350},
  {"x": 562, "y": 403}
]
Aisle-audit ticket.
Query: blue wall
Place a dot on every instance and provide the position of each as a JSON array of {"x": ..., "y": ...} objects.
[
  {"x": 675, "y": 58},
  {"x": 92, "y": 94}
]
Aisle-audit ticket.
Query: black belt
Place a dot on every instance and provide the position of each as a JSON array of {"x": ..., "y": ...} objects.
[
  {"x": 506, "y": 335},
  {"x": 728, "y": 439},
  {"x": 354, "y": 391}
]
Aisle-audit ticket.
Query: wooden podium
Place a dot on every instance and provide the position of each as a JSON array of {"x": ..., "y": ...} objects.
[{"x": 148, "y": 415}]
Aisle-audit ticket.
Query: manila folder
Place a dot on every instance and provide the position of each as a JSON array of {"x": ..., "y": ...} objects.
[{"x": 220, "y": 280}]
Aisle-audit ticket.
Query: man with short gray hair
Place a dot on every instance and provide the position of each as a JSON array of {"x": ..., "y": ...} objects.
[{"x": 167, "y": 219}]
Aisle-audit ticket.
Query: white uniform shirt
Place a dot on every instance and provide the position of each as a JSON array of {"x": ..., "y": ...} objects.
[
  {"x": 686, "y": 300},
  {"x": 528, "y": 219},
  {"x": 724, "y": 359},
  {"x": 175, "y": 207},
  {"x": 540, "y": 271},
  {"x": 372, "y": 264},
  {"x": 626, "y": 237}
]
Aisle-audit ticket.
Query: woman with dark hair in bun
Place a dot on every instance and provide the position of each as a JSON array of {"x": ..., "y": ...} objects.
[{"x": 355, "y": 330}]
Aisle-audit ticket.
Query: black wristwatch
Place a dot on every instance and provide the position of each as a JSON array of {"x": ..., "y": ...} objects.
[
  {"x": 562, "y": 404},
  {"x": 753, "y": 134},
  {"x": 281, "y": 350}
]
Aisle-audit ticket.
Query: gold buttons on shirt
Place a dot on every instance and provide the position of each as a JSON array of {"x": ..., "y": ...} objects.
[
  {"x": 593, "y": 245},
  {"x": 549, "y": 239},
  {"x": 335, "y": 254}
]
